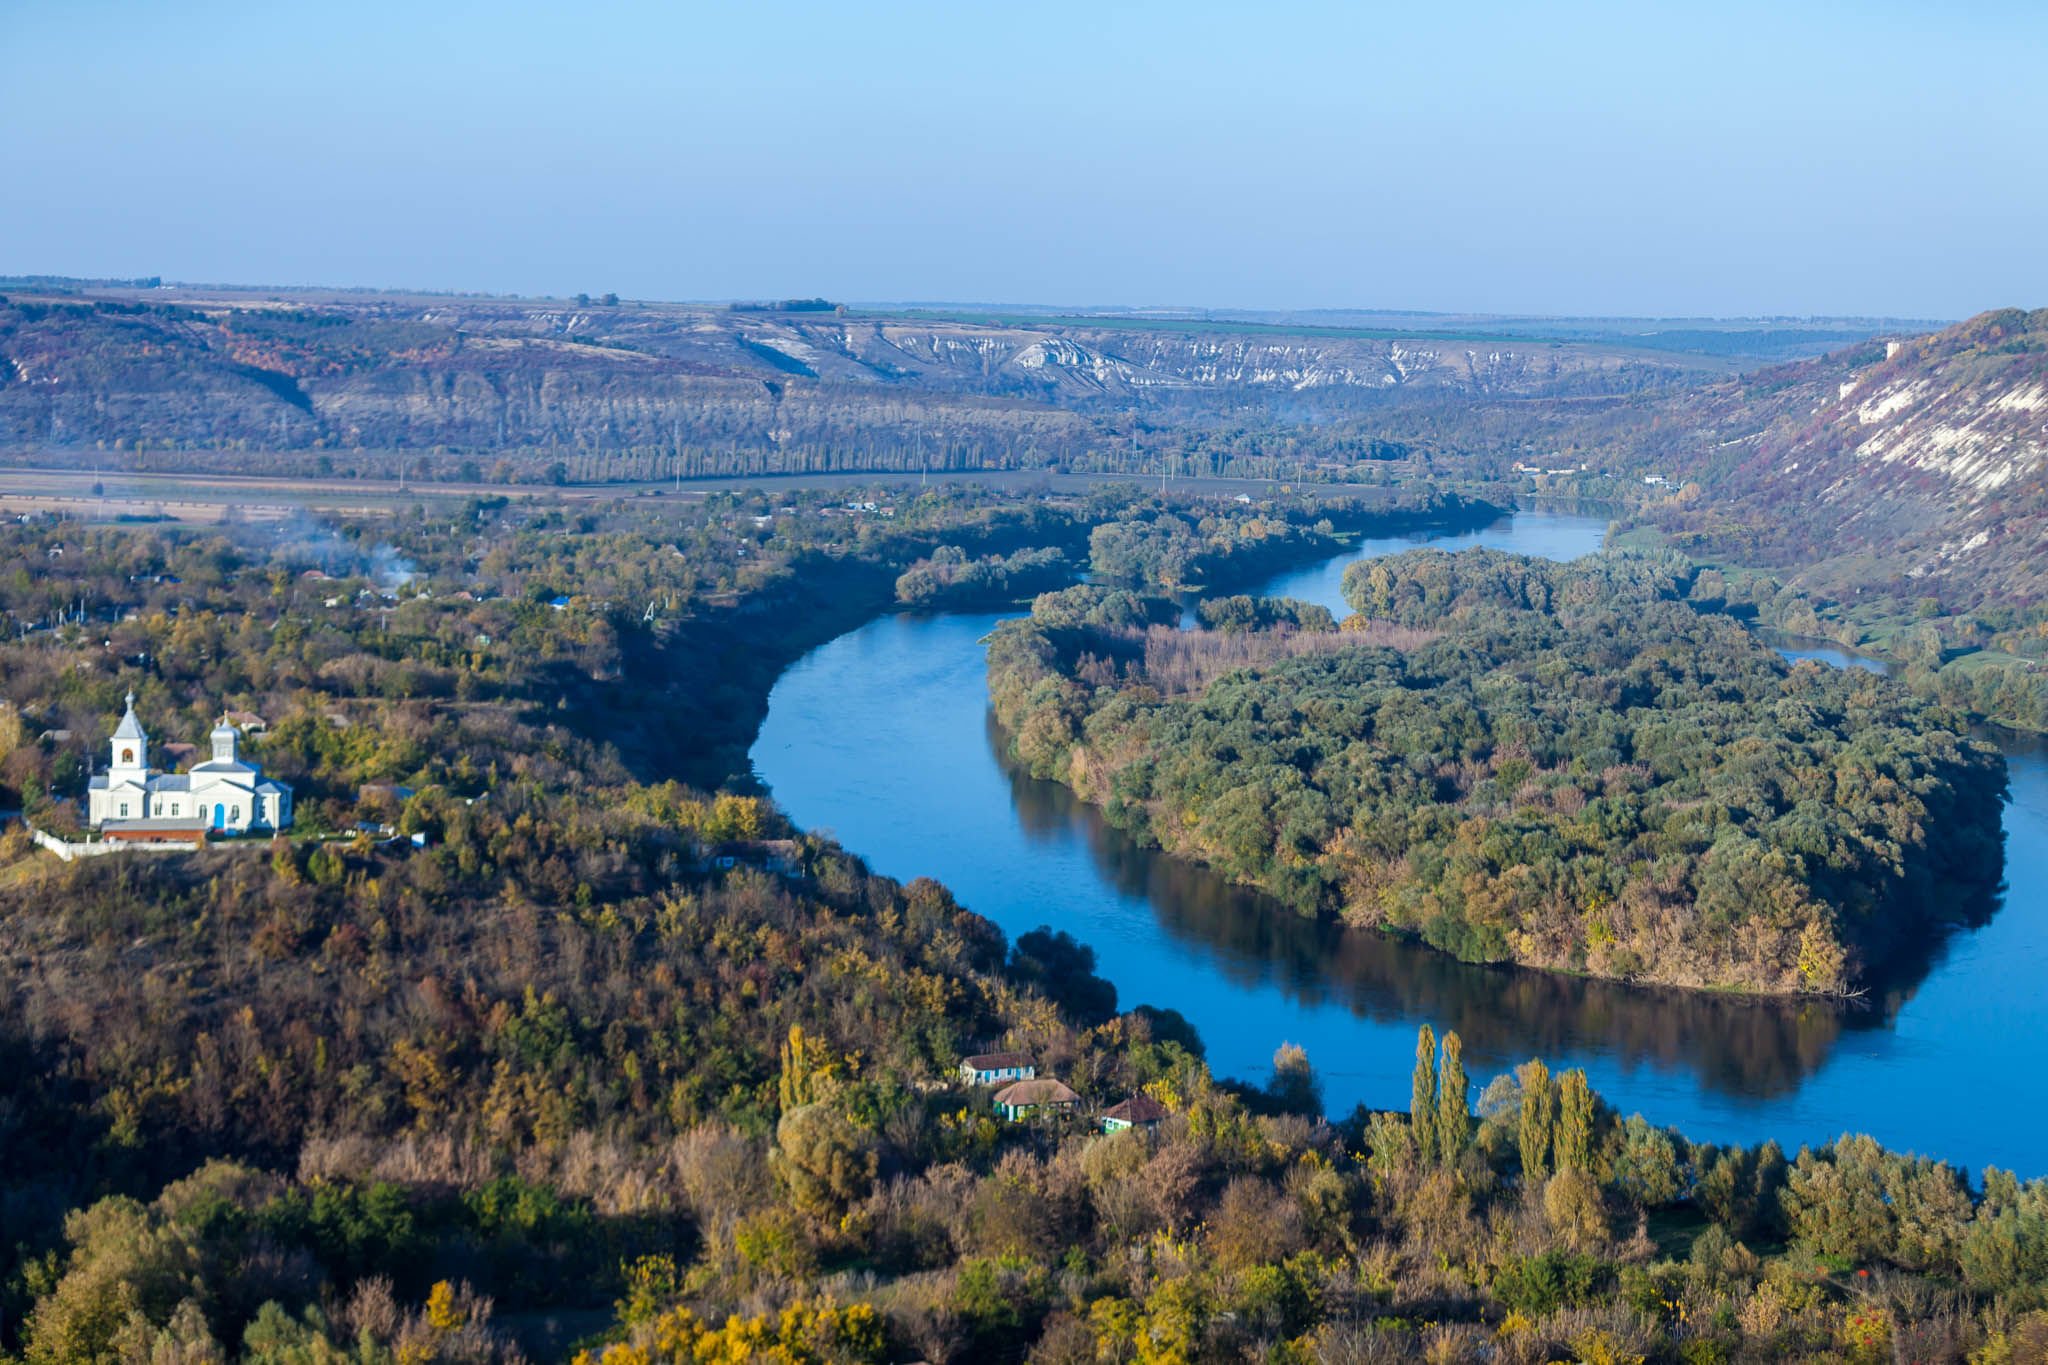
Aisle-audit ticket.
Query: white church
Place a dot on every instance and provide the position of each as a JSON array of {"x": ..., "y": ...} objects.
[{"x": 223, "y": 794}]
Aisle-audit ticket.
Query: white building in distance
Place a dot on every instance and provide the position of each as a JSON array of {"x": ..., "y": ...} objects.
[{"x": 223, "y": 794}]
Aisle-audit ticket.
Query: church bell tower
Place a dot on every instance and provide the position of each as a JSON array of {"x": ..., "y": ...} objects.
[{"x": 130, "y": 747}]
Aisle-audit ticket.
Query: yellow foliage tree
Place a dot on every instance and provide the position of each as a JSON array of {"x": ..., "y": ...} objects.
[
  {"x": 802, "y": 1334},
  {"x": 735, "y": 817},
  {"x": 809, "y": 1069},
  {"x": 444, "y": 1314}
]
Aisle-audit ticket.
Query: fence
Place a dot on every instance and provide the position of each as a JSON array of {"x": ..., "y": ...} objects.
[{"x": 70, "y": 852}]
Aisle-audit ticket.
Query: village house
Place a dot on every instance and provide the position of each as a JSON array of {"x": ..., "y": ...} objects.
[
  {"x": 224, "y": 794},
  {"x": 1025, "y": 1098},
  {"x": 1139, "y": 1111},
  {"x": 998, "y": 1068}
]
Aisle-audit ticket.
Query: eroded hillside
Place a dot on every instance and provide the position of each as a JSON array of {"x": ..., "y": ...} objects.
[
  {"x": 794, "y": 388},
  {"x": 1921, "y": 463}
]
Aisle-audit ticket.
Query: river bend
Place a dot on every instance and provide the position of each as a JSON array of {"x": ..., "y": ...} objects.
[{"x": 882, "y": 737}]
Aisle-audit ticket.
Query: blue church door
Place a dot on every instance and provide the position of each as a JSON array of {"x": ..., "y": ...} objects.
[{"x": 220, "y": 816}]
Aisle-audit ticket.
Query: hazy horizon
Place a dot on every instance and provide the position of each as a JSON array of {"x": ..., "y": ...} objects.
[{"x": 1595, "y": 160}]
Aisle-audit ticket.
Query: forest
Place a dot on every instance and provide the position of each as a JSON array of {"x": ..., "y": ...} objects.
[
  {"x": 1170, "y": 549},
  {"x": 618, "y": 1067},
  {"x": 609, "y": 1059},
  {"x": 1569, "y": 766}
]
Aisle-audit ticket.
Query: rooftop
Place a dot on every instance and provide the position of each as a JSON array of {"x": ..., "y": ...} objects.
[
  {"x": 1137, "y": 1109},
  {"x": 1044, "y": 1090},
  {"x": 165, "y": 825},
  {"x": 130, "y": 728}
]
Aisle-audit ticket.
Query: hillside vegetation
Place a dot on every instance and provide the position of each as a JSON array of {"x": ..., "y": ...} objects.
[
  {"x": 1563, "y": 765},
  {"x": 619, "y": 1068},
  {"x": 1919, "y": 465}
]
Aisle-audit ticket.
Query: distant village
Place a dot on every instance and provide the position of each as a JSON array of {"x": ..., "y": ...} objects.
[{"x": 1558, "y": 471}]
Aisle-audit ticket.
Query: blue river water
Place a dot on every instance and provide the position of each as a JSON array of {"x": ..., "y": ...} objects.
[{"x": 882, "y": 738}]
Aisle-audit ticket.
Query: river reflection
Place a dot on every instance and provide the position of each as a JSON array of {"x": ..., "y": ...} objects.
[{"x": 883, "y": 738}]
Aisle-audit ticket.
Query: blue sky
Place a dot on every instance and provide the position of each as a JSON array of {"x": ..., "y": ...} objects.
[{"x": 1644, "y": 158}]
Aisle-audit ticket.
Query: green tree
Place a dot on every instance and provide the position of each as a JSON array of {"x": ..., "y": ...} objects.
[
  {"x": 1453, "y": 1109},
  {"x": 127, "y": 1274},
  {"x": 1538, "y": 1117},
  {"x": 823, "y": 1162},
  {"x": 1422, "y": 1105},
  {"x": 735, "y": 817},
  {"x": 1646, "y": 1166},
  {"x": 1574, "y": 1141}
]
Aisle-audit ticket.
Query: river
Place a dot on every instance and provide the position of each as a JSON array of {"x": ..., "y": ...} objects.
[{"x": 882, "y": 738}]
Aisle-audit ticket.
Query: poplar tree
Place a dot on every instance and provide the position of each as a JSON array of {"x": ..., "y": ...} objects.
[
  {"x": 1574, "y": 1123},
  {"x": 1539, "y": 1109},
  {"x": 1453, "y": 1117},
  {"x": 1422, "y": 1107},
  {"x": 802, "y": 1072}
]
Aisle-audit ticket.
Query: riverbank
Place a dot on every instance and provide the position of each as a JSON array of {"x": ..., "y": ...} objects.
[
  {"x": 882, "y": 737},
  {"x": 704, "y": 683}
]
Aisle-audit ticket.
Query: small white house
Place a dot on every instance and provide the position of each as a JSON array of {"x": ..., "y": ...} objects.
[
  {"x": 998, "y": 1068},
  {"x": 224, "y": 793}
]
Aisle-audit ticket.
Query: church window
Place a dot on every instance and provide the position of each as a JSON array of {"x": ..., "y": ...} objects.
[
  {"x": 127, "y": 755},
  {"x": 124, "y": 810}
]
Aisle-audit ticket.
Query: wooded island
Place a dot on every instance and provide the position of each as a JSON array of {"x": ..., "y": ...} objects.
[{"x": 1562, "y": 765}]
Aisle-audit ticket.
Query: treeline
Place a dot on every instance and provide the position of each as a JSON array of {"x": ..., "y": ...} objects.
[
  {"x": 1165, "y": 548},
  {"x": 948, "y": 577},
  {"x": 1240, "y": 614},
  {"x": 1515, "y": 760}
]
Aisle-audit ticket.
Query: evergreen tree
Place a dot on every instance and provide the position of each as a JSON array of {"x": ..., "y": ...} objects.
[
  {"x": 1453, "y": 1114},
  {"x": 1422, "y": 1107},
  {"x": 1539, "y": 1110},
  {"x": 1574, "y": 1122}
]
